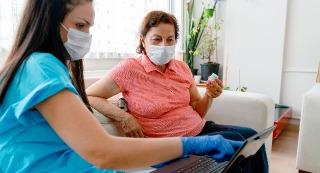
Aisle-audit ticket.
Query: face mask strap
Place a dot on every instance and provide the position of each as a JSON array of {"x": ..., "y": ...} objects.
[{"x": 64, "y": 27}]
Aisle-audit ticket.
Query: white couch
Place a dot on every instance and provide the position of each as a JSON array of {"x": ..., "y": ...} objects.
[
  {"x": 233, "y": 108},
  {"x": 308, "y": 154}
]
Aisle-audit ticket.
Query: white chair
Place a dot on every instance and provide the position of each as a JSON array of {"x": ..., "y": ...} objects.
[{"x": 308, "y": 153}]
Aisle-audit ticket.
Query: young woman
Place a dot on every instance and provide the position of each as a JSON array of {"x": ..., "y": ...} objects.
[
  {"x": 163, "y": 99},
  {"x": 45, "y": 119}
]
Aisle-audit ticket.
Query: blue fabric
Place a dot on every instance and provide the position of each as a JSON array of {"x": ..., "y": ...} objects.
[{"x": 27, "y": 142}]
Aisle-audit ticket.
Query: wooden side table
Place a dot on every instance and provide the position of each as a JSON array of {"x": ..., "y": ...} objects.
[{"x": 282, "y": 116}]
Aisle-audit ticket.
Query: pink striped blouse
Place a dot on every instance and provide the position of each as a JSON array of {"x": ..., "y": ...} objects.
[{"x": 159, "y": 101}]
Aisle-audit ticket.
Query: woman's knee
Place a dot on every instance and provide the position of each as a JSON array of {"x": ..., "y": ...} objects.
[
  {"x": 246, "y": 132},
  {"x": 229, "y": 135}
]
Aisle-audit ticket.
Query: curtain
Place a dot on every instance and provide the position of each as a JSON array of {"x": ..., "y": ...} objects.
[
  {"x": 115, "y": 32},
  {"x": 10, "y": 11}
]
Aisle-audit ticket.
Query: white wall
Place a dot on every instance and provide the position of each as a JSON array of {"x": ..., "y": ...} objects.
[
  {"x": 302, "y": 51},
  {"x": 254, "y": 43}
]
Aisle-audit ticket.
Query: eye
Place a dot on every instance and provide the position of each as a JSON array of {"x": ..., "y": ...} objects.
[
  {"x": 170, "y": 40},
  {"x": 156, "y": 39},
  {"x": 80, "y": 26}
]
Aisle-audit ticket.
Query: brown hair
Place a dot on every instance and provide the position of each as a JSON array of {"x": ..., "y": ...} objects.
[
  {"x": 318, "y": 76},
  {"x": 39, "y": 30},
  {"x": 153, "y": 19}
]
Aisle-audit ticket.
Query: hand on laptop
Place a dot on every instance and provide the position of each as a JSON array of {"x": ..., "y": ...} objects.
[{"x": 216, "y": 146}]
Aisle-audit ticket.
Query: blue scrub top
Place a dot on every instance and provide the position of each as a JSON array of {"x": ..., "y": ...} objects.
[{"x": 27, "y": 142}]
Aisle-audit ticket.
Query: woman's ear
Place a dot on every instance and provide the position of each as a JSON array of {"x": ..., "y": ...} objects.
[
  {"x": 142, "y": 41},
  {"x": 63, "y": 34},
  {"x": 318, "y": 76}
]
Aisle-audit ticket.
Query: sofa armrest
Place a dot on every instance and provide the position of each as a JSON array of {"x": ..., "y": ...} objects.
[{"x": 244, "y": 109}]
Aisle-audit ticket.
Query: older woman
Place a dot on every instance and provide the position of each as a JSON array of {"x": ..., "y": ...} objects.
[{"x": 162, "y": 96}]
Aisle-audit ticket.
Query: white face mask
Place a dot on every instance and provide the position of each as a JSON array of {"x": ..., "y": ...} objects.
[
  {"x": 160, "y": 55},
  {"x": 78, "y": 43}
]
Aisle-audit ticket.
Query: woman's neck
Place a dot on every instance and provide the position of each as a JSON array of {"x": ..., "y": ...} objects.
[{"x": 162, "y": 68}]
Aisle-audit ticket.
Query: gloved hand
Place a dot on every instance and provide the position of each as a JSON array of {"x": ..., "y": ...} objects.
[{"x": 216, "y": 146}]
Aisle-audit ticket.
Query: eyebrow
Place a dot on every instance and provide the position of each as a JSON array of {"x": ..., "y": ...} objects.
[
  {"x": 87, "y": 22},
  {"x": 161, "y": 36}
]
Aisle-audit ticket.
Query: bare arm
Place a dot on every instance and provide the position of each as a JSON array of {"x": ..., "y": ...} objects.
[
  {"x": 97, "y": 95},
  {"x": 202, "y": 104},
  {"x": 74, "y": 123},
  {"x": 99, "y": 92}
]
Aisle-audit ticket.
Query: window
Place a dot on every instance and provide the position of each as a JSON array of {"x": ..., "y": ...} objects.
[
  {"x": 9, "y": 18},
  {"x": 115, "y": 33}
]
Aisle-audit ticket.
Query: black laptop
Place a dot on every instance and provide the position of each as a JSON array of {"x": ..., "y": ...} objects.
[{"x": 205, "y": 164}]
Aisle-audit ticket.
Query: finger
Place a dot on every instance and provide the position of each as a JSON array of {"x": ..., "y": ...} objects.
[
  {"x": 214, "y": 82},
  {"x": 219, "y": 82},
  {"x": 219, "y": 90},
  {"x": 210, "y": 82},
  {"x": 136, "y": 134},
  {"x": 214, "y": 89},
  {"x": 128, "y": 134},
  {"x": 212, "y": 85},
  {"x": 235, "y": 144},
  {"x": 215, "y": 95},
  {"x": 218, "y": 156},
  {"x": 140, "y": 133},
  {"x": 132, "y": 134},
  {"x": 228, "y": 148}
]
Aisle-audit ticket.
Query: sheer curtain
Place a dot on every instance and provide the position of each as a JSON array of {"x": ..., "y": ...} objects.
[
  {"x": 10, "y": 11},
  {"x": 115, "y": 32}
]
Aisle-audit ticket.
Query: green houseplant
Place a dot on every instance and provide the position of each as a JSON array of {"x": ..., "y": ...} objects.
[
  {"x": 195, "y": 31},
  {"x": 208, "y": 51}
]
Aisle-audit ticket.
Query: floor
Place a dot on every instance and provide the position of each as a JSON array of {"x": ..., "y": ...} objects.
[{"x": 283, "y": 158}]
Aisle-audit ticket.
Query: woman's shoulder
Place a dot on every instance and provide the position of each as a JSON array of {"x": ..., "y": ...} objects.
[
  {"x": 46, "y": 63},
  {"x": 44, "y": 59},
  {"x": 129, "y": 63},
  {"x": 181, "y": 65}
]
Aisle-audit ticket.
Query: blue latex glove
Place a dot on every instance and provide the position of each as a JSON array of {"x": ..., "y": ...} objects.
[{"x": 216, "y": 146}]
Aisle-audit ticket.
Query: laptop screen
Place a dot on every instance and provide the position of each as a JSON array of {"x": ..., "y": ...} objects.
[{"x": 250, "y": 146}]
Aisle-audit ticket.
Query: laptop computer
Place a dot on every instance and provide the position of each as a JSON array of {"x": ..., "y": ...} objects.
[{"x": 204, "y": 164}]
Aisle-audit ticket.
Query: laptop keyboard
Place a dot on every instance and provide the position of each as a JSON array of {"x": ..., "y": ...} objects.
[{"x": 203, "y": 165}]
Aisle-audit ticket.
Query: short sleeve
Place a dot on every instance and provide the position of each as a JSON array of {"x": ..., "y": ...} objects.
[
  {"x": 122, "y": 74},
  {"x": 41, "y": 76}
]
